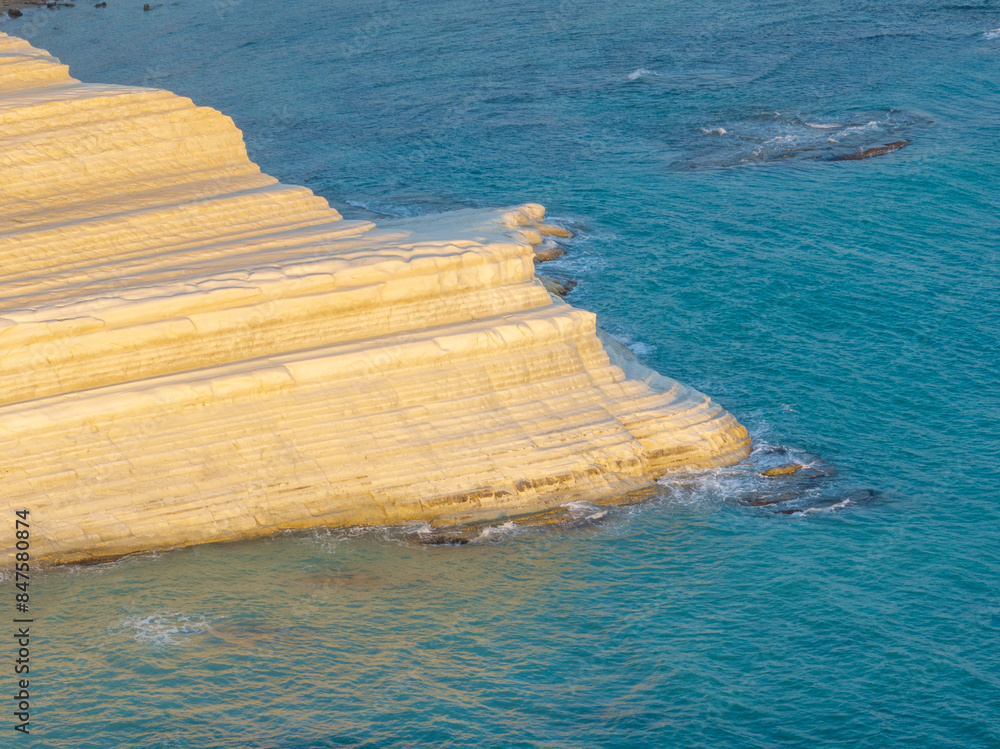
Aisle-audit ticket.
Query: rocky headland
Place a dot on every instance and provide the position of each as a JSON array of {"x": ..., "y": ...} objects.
[{"x": 191, "y": 351}]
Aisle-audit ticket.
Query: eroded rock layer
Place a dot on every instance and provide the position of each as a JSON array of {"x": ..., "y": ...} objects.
[{"x": 191, "y": 351}]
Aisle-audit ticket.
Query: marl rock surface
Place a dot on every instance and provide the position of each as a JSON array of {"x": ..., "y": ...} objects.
[{"x": 191, "y": 351}]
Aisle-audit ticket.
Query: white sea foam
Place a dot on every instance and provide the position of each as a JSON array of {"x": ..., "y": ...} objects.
[
  {"x": 639, "y": 348},
  {"x": 640, "y": 73},
  {"x": 993, "y": 34},
  {"x": 492, "y": 532},
  {"x": 856, "y": 129},
  {"x": 710, "y": 485},
  {"x": 714, "y": 130},
  {"x": 829, "y": 508},
  {"x": 163, "y": 629},
  {"x": 821, "y": 126},
  {"x": 581, "y": 510}
]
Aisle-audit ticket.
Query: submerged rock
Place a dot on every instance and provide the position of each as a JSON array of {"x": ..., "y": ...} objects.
[
  {"x": 872, "y": 152},
  {"x": 14, "y": 13},
  {"x": 191, "y": 351},
  {"x": 437, "y": 539},
  {"x": 832, "y": 503}
]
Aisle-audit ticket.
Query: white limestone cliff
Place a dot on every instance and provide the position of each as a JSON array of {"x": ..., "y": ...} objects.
[{"x": 191, "y": 351}]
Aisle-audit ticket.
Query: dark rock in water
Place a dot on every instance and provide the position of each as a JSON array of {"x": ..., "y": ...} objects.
[
  {"x": 783, "y": 470},
  {"x": 147, "y": 7},
  {"x": 836, "y": 502},
  {"x": 558, "y": 286},
  {"x": 442, "y": 540},
  {"x": 862, "y": 495},
  {"x": 790, "y": 488},
  {"x": 14, "y": 13},
  {"x": 101, "y": 5},
  {"x": 872, "y": 152},
  {"x": 764, "y": 500}
]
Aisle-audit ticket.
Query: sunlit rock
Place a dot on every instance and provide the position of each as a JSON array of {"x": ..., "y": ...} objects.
[{"x": 191, "y": 351}]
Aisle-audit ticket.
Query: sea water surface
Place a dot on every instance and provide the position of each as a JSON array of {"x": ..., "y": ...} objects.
[{"x": 846, "y": 311}]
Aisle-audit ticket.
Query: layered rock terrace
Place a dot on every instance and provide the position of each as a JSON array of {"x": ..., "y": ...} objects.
[{"x": 191, "y": 351}]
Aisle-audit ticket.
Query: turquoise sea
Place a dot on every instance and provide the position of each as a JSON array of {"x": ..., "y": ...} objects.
[{"x": 847, "y": 311}]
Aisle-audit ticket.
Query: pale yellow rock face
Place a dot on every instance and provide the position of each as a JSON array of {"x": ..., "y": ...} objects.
[{"x": 191, "y": 351}]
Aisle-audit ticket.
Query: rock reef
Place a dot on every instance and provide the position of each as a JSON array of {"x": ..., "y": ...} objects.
[
  {"x": 870, "y": 153},
  {"x": 191, "y": 351}
]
